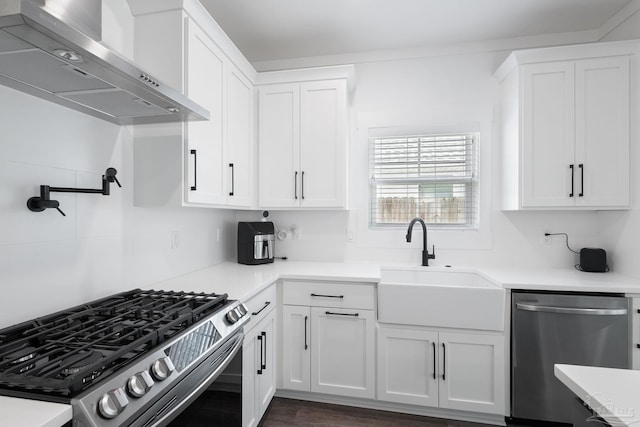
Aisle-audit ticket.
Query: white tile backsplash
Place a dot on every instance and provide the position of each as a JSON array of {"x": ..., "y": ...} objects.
[{"x": 49, "y": 262}]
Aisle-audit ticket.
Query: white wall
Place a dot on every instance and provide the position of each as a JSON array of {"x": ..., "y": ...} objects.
[
  {"x": 620, "y": 231},
  {"x": 49, "y": 262},
  {"x": 432, "y": 89}
]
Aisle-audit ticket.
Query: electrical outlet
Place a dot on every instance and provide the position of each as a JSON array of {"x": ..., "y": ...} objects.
[
  {"x": 175, "y": 240},
  {"x": 218, "y": 234},
  {"x": 546, "y": 240},
  {"x": 297, "y": 232}
]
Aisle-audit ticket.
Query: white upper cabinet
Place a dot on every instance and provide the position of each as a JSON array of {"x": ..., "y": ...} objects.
[
  {"x": 208, "y": 163},
  {"x": 239, "y": 140},
  {"x": 302, "y": 139},
  {"x": 565, "y": 127},
  {"x": 279, "y": 146},
  {"x": 205, "y": 81}
]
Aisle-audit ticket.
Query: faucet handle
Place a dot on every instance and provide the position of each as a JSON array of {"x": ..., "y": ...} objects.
[{"x": 432, "y": 255}]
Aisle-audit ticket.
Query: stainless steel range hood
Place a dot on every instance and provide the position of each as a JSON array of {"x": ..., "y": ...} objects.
[{"x": 51, "y": 49}]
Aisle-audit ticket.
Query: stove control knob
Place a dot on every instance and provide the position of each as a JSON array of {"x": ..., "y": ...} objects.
[
  {"x": 112, "y": 403},
  {"x": 232, "y": 316},
  {"x": 242, "y": 309},
  {"x": 162, "y": 368},
  {"x": 139, "y": 384}
]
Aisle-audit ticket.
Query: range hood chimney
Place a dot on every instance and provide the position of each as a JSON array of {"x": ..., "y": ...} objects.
[{"x": 51, "y": 49}]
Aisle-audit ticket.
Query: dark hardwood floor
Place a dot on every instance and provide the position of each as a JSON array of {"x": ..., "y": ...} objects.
[{"x": 290, "y": 412}]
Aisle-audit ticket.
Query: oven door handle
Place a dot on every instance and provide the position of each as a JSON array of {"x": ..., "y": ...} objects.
[
  {"x": 571, "y": 310},
  {"x": 239, "y": 337}
]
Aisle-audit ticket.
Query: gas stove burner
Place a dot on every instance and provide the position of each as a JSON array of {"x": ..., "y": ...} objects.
[
  {"x": 21, "y": 355},
  {"x": 79, "y": 361}
]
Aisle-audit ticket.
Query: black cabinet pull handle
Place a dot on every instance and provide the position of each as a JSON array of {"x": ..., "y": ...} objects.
[
  {"x": 327, "y": 296},
  {"x": 295, "y": 185},
  {"x": 331, "y": 313},
  {"x": 571, "y": 167},
  {"x": 581, "y": 166},
  {"x": 306, "y": 346},
  {"x": 302, "y": 185},
  {"x": 233, "y": 179},
  {"x": 261, "y": 356},
  {"x": 444, "y": 361},
  {"x": 264, "y": 341},
  {"x": 194, "y": 187},
  {"x": 434, "y": 360},
  {"x": 266, "y": 304}
]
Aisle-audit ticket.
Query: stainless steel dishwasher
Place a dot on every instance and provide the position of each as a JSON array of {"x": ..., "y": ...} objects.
[{"x": 549, "y": 328}]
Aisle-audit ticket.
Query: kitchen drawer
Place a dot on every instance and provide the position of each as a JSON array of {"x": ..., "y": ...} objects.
[
  {"x": 260, "y": 305},
  {"x": 329, "y": 294}
]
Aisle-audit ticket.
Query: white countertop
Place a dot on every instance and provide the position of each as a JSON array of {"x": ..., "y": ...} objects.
[
  {"x": 611, "y": 393},
  {"x": 26, "y": 413},
  {"x": 566, "y": 279},
  {"x": 243, "y": 281}
]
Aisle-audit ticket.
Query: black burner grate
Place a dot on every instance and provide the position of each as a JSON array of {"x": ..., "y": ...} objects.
[{"x": 64, "y": 353}]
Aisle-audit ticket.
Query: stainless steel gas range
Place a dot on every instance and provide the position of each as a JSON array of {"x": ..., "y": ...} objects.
[{"x": 136, "y": 358}]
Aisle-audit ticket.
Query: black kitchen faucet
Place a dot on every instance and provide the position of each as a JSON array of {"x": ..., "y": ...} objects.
[{"x": 426, "y": 256}]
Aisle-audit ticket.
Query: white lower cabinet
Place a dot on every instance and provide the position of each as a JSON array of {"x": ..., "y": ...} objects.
[
  {"x": 328, "y": 349},
  {"x": 259, "y": 361},
  {"x": 453, "y": 370}
]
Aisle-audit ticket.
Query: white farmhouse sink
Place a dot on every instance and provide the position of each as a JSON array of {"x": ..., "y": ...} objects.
[{"x": 440, "y": 297}]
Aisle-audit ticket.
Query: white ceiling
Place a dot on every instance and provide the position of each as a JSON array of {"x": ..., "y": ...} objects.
[{"x": 270, "y": 30}]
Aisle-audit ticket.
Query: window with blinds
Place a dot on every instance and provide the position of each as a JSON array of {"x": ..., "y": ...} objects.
[{"x": 433, "y": 177}]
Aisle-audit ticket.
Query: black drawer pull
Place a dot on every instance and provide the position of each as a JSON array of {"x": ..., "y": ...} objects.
[
  {"x": 194, "y": 187},
  {"x": 331, "y": 313},
  {"x": 571, "y": 167},
  {"x": 233, "y": 179},
  {"x": 260, "y": 365},
  {"x": 581, "y": 167},
  {"x": 327, "y": 296},
  {"x": 264, "y": 362},
  {"x": 306, "y": 346},
  {"x": 266, "y": 304},
  {"x": 434, "y": 360},
  {"x": 444, "y": 361}
]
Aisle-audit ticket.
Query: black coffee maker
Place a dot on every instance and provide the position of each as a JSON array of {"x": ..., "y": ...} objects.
[{"x": 255, "y": 242}]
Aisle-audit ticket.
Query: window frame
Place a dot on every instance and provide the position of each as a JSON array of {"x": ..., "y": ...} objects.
[{"x": 471, "y": 182}]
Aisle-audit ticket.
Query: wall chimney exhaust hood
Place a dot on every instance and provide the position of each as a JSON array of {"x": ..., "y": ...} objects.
[{"x": 51, "y": 49}]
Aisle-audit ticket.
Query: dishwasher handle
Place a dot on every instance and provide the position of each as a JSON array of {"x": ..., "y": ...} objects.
[{"x": 571, "y": 310}]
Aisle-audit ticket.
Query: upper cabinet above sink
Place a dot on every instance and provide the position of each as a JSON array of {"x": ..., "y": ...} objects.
[{"x": 442, "y": 298}]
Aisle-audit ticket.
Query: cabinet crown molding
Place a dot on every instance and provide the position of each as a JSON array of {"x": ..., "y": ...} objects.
[
  {"x": 308, "y": 74},
  {"x": 563, "y": 53}
]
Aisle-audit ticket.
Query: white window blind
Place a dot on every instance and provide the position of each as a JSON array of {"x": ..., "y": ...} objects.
[{"x": 433, "y": 177}]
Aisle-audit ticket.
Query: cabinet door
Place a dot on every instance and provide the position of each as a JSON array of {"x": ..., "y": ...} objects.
[
  {"x": 547, "y": 150},
  {"x": 342, "y": 352},
  {"x": 471, "y": 372},
  {"x": 267, "y": 374},
  {"x": 323, "y": 143},
  {"x": 278, "y": 146},
  {"x": 239, "y": 141},
  {"x": 250, "y": 361},
  {"x": 296, "y": 348},
  {"x": 602, "y": 132},
  {"x": 204, "y": 148},
  {"x": 407, "y": 366}
]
